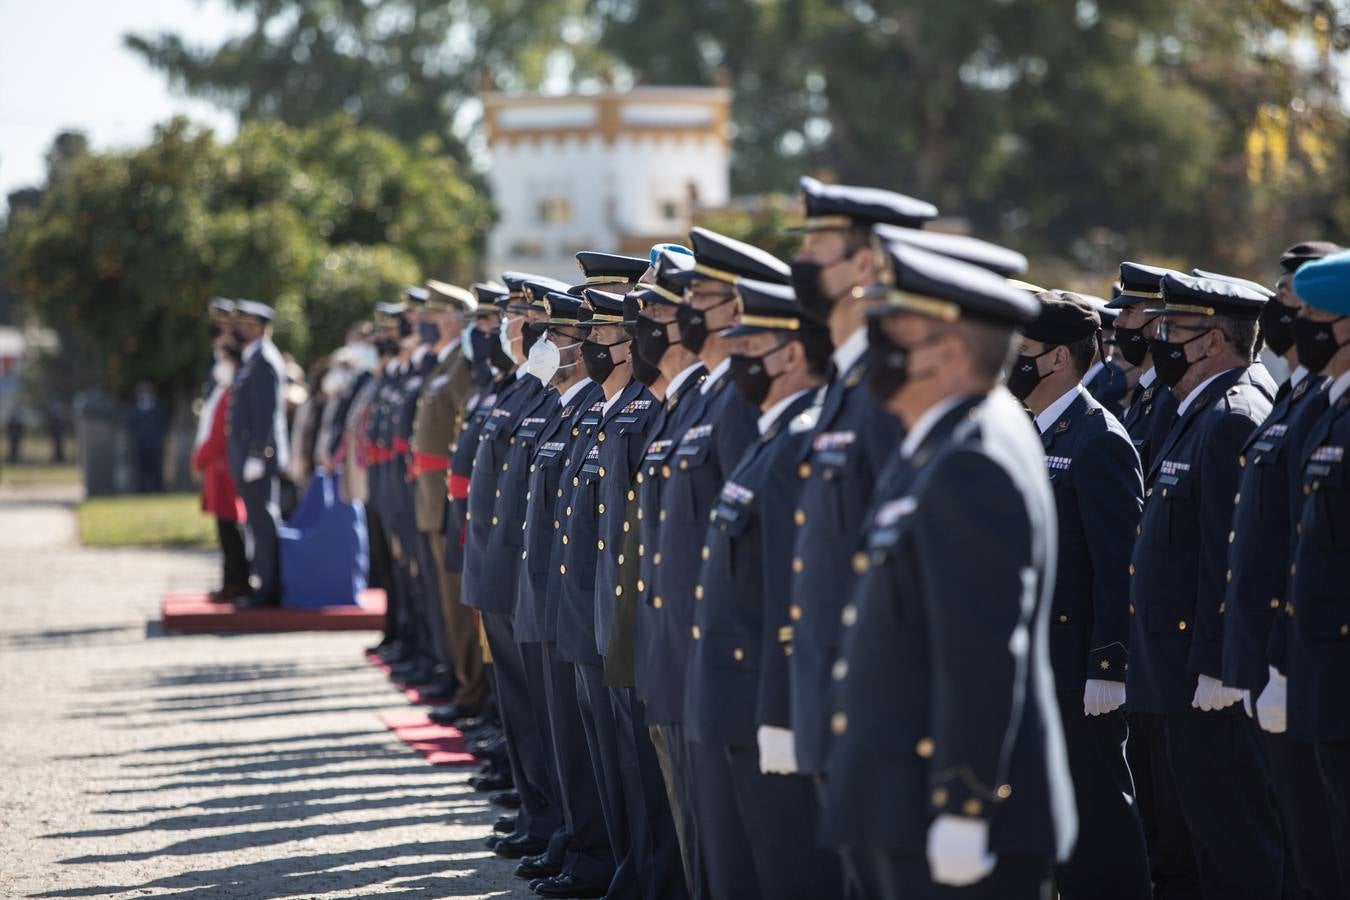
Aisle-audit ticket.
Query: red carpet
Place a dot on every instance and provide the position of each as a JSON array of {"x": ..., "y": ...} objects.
[
  {"x": 415, "y": 697},
  {"x": 194, "y": 613},
  {"x": 440, "y": 744}
]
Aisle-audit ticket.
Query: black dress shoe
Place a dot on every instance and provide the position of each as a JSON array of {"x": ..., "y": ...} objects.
[
  {"x": 493, "y": 840},
  {"x": 435, "y": 688},
  {"x": 567, "y": 885},
  {"x": 506, "y": 800},
  {"x": 451, "y": 714},
  {"x": 534, "y": 867},
  {"x": 492, "y": 783},
  {"x": 255, "y": 601},
  {"x": 505, "y": 825},
  {"x": 518, "y": 846}
]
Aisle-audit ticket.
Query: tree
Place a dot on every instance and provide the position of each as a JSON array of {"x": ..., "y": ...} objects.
[{"x": 125, "y": 248}]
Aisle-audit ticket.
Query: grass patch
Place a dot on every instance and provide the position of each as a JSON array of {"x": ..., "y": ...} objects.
[{"x": 172, "y": 520}]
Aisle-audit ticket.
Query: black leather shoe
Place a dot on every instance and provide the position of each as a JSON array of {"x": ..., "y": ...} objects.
[
  {"x": 518, "y": 846},
  {"x": 438, "y": 687},
  {"x": 493, "y": 840},
  {"x": 492, "y": 783},
  {"x": 254, "y": 601},
  {"x": 506, "y": 800},
  {"x": 451, "y": 713},
  {"x": 535, "y": 867},
  {"x": 568, "y": 886},
  {"x": 505, "y": 825}
]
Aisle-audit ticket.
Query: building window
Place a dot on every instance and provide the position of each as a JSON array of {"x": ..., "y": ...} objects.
[
  {"x": 527, "y": 249},
  {"x": 555, "y": 211},
  {"x": 670, "y": 210}
]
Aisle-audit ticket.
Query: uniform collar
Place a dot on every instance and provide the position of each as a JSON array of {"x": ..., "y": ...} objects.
[
  {"x": 771, "y": 414},
  {"x": 251, "y": 350},
  {"x": 1148, "y": 377},
  {"x": 1050, "y": 415},
  {"x": 573, "y": 391},
  {"x": 674, "y": 387},
  {"x": 420, "y": 354},
  {"x": 1338, "y": 387},
  {"x": 446, "y": 351},
  {"x": 1299, "y": 373},
  {"x": 926, "y": 422},
  {"x": 1195, "y": 394},
  {"x": 850, "y": 351},
  {"x": 715, "y": 374},
  {"x": 1092, "y": 371}
]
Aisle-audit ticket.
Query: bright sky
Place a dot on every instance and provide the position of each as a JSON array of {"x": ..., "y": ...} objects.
[{"x": 63, "y": 66}]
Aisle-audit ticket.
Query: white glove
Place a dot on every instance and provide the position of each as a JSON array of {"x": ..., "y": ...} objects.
[
  {"x": 1101, "y": 697},
  {"x": 1272, "y": 705},
  {"x": 254, "y": 468},
  {"x": 958, "y": 850},
  {"x": 1211, "y": 695},
  {"x": 777, "y": 751}
]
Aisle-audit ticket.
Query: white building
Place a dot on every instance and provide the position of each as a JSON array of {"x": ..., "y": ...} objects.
[{"x": 614, "y": 172}]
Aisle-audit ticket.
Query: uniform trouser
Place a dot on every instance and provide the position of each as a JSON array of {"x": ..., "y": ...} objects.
[
  {"x": 589, "y": 857},
  {"x": 233, "y": 556},
  {"x": 408, "y": 567},
  {"x": 1171, "y": 855},
  {"x": 1333, "y": 759},
  {"x": 260, "y": 502},
  {"x": 381, "y": 575},
  {"x": 540, "y": 814},
  {"x": 431, "y": 604},
  {"x": 461, "y": 634},
  {"x": 656, "y": 852},
  {"x": 905, "y": 876},
  {"x": 1109, "y": 859},
  {"x": 724, "y": 846},
  {"x": 673, "y": 757},
  {"x": 1223, "y": 785},
  {"x": 1302, "y": 796},
  {"x": 532, "y": 654},
  {"x": 780, "y": 813},
  {"x": 602, "y": 739}
]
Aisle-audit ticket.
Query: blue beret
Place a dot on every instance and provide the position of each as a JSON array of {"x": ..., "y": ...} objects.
[
  {"x": 1325, "y": 283},
  {"x": 658, "y": 249}
]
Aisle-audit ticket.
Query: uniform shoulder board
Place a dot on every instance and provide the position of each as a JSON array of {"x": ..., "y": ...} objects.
[{"x": 1093, "y": 410}]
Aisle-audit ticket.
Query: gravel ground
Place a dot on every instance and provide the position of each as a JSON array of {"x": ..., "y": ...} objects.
[{"x": 134, "y": 764}]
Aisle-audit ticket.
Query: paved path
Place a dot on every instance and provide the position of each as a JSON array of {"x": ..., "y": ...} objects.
[{"x": 133, "y": 764}]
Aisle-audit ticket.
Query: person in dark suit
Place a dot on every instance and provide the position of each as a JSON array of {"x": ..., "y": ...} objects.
[
  {"x": 259, "y": 446},
  {"x": 488, "y": 579},
  {"x": 1152, "y": 406},
  {"x": 1258, "y": 557},
  {"x": 736, "y": 693},
  {"x": 571, "y": 415},
  {"x": 1203, "y": 350},
  {"x": 948, "y": 775},
  {"x": 1315, "y": 701},
  {"x": 719, "y": 429},
  {"x": 1099, "y": 492},
  {"x": 210, "y": 460}
]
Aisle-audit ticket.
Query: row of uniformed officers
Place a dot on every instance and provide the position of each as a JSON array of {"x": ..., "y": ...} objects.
[{"x": 833, "y": 578}]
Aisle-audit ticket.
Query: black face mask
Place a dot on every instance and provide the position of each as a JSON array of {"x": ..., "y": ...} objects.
[
  {"x": 213, "y": 329},
  {"x": 1132, "y": 344},
  {"x": 234, "y": 353},
  {"x": 1025, "y": 374},
  {"x": 429, "y": 332},
  {"x": 807, "y": 285},
  {"x": 751, "y": 376},
  {"x": 497, "y": 356},
  {"x": 598, "y": 359},
  {"x": 1169, "y": 359},
  {"x": 404, "y": 328},
  {"x": 532, "y": 332},
  {"x": 1278, "y": 328},
  {"x": 887, "y": 363},
  {"x": 644, "y": 371},
  {"x": 694, "y": 324},
  {"x": 239, "y": 337},
  {"x": 1316, "y": 342},
  {"x": 651, "y": 340}
]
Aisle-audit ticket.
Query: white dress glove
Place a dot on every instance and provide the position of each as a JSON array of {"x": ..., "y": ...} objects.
[
  {"x": 254, "y": 468},
  {"x": 777, "y": 751},
  {"x": 1272, "y": 705},
  {"x": 958, "y": 850},
  {"x": 1101, "y": 697},
  {"x": 1211, "y": 695}
]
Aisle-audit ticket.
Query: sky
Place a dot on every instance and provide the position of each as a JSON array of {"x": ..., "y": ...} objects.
[{"x": 63, "y": 66}]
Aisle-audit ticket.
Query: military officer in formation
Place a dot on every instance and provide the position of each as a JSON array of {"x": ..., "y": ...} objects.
[{"x": 842, "y": 577}]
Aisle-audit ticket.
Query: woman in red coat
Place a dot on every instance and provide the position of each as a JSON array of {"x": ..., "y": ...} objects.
[{"x": 219, "y": 497}]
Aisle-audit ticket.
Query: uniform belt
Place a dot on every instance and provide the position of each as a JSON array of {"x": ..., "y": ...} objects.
[
  {"x": 457, "y": 486},
  {"x": 401, "y": 446},
  {"x": 427, "y": 462},
  {"x": 379, "y": 455}
]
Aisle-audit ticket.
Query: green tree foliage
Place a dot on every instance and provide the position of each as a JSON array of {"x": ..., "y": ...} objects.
[{"x": 124, "y": 249}]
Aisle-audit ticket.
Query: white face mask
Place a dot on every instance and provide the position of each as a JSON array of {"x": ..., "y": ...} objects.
[
  {"x": 365, "y": 358},
  {"x": 223, "y": 372},
  {"x": 505, "y": 340},
  {"x": 545, "y": 360},
  {"x": 336, "y": 382}
]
